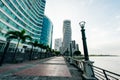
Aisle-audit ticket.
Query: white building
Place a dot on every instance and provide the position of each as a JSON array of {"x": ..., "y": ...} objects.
[
  {"x": 58, "y": 44},
  {"x": 66, "y": 35},
  {"x": 74, "y": 47}
]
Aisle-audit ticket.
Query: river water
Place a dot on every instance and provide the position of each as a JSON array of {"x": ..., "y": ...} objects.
[{"x": 111, "y": 63}]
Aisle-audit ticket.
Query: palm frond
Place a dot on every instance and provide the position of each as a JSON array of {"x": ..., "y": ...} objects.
[
  {"x": 30, "y": 43},
  {"x": 35, "y": 43},
  {"x": 28, "y": 37},
  {"x": 11, "y": 37},
  {"x": 23, "y": 32},
  {"x": 10, "y": 33}
]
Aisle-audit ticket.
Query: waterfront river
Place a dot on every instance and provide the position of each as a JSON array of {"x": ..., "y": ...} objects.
[{"x": 111, "y": 63}]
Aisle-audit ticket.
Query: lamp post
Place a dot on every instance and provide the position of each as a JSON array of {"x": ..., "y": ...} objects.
[
  {"x": 71, "y": 52},
  {"x": 82, "y": 24},
  {"x": 88, "y": 70},
  {"x": 70, "y": 49}
]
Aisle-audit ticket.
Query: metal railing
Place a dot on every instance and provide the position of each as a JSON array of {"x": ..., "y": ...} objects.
[
  {"x": 105, "y": 74},
  {"x": 99, "y": 73}
]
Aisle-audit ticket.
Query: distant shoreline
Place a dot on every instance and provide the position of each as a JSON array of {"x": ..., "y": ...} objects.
[{"x": 104, "y": 55}]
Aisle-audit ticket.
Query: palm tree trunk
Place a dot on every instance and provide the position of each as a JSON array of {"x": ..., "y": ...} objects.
[
  {"x": 14, "y": 55},
  {"x": 4, "y": 53},
  {"x": 30, "y": 58}
]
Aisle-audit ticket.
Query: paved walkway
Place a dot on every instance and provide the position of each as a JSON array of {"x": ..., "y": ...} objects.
[{"x": 54, "y": 68}]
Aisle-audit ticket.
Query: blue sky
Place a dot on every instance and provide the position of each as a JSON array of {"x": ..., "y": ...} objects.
[{"x": 102, "y": 19}]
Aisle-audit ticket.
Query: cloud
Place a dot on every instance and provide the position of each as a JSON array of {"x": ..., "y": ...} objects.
[
  {"x": 91, "y": 1},
  {"x": 117, "y": 17},
  {"x": 102, "y": 21}
]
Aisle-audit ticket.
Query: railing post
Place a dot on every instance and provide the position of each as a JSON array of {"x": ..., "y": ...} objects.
[{"x": 105, "y": 75}]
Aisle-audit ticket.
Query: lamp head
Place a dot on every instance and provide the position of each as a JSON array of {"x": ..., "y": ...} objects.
[{"x": 82, "y": 24}]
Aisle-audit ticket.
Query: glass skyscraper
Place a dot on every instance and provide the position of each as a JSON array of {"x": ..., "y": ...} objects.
[
  {"x": 24, "y": 14},
  {"x": 47, "y": 32}
]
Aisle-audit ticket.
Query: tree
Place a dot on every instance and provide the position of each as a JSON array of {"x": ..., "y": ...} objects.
[
  {"x": 33, "y": 44},
  {"x": 40, "y": 45},
  {"x": 57, "y": 53},
  {"x": 44, "y": 48},
  {"x": 47, "y": 51},
  {"x": 8, "y": 39},
  {"x": 20, "y": 36},
  {"x": 77, "y": 53},
  {"x": 47, "y": 48}
]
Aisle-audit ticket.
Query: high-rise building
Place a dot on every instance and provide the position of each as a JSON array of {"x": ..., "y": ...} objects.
[
  {"x": 74, "y": 47},
  {"x": 66, "y": 35},
  {"x": 21, "y": 14},
  {"x": 47, "y": 32},
  {"x": 58, "y": 44}
]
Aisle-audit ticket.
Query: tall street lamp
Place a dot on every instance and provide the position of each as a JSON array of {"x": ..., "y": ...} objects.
[
  {"x": 82, "y": 24},
  {"x": 88, "y": 70}
]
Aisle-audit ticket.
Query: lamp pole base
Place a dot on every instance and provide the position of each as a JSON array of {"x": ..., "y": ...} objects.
[{"x": 88, "y": 73}]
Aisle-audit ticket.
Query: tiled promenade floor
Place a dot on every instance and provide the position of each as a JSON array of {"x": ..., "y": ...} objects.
[{"x": 54, "y": 68}]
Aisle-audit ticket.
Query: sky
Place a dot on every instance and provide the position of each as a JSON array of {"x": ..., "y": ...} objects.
[{"x": 102, "y": 26}]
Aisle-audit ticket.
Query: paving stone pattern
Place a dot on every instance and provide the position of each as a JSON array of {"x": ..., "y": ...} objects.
[{"x": 54, "y": 68}]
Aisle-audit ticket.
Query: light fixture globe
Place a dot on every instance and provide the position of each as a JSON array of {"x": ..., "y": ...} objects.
[{"x": 82, "y": 24}]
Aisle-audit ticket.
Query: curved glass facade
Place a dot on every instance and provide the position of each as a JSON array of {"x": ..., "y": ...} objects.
[
  {"x": 22, "y": 14},
  {"x": 47, "y": 31}
]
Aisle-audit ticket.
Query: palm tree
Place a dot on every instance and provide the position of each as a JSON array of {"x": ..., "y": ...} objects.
[
  {"x": 20, "y": 36},
  {"x": 8, "y": 39},
  {"x": 46, "y": 47},
  {"x": 40, "y": 45},
  {"x": 47, "y": 51},
  {"x": 50, "y": 52},
  {"x": 33, "y": 44}
]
